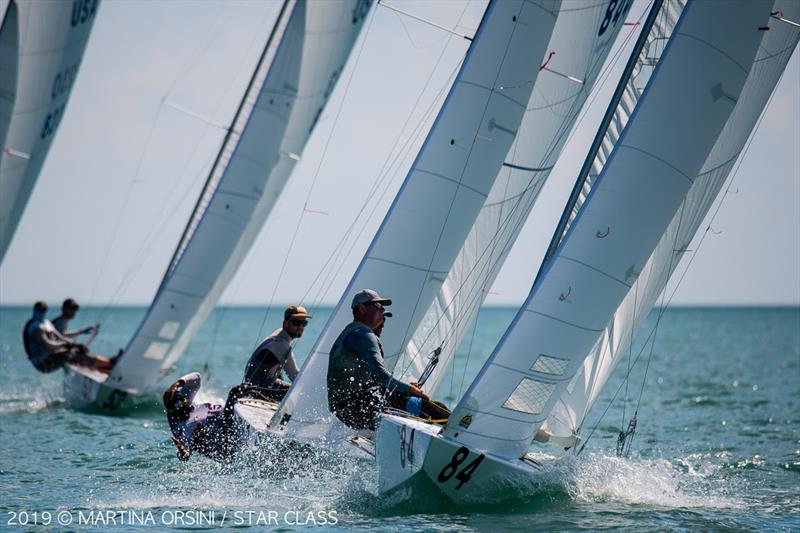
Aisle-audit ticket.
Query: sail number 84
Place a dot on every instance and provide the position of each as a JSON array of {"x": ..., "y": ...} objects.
[{"x": 451, "y": 468}]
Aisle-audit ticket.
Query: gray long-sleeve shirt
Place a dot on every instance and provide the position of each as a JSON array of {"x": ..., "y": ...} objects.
[
  {"x": 273, "y": 356},
  {"x": 357, "y": 362}
]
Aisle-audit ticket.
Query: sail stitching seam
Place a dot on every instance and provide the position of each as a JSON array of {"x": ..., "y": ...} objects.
[
  {"x": 412, "y": 267},
  {"x": 452, "y": 180},
  {"x": 716, "y": 49},
  {"x": 586, "y": 265},
  {"x": 492, "y": 91},
  {"x": 592, "y": 330},
  {"x": 655, "y": 157}
]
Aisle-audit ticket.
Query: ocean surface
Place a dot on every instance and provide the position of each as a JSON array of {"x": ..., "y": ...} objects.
[{"x": 717, "y": 448}]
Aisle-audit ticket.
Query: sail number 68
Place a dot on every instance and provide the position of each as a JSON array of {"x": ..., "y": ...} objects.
[{"x": 466, "y": 473}]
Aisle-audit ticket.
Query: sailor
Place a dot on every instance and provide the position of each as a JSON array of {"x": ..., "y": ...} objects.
[
  {"x": 48, "y": 350},
  {"x": 359, "y": 385},
  {"x": 205, "y": 428},
  {"x": 68, "y": 311},
  {"x": 274, "y": 355}
]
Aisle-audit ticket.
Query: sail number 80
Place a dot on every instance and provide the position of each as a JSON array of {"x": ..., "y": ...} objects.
[{"x": 451, "y": 468}]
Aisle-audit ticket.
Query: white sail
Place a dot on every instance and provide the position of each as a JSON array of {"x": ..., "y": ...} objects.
[
  {"x": 688, "y": 99},
  {"x": 425, "y": 227},
  {"x": 9, "y": 67},
  {"x": 41, "y": 47},
  {"x": 581, "y": 40},
  {"x": 301, "y": 62},
  {"x": 777, "y": 46}
]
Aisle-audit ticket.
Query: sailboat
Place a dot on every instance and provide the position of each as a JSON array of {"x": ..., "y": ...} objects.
[
  {"x": 41, "y": 48},
  {"x": 430, "y": 230},
  {"x": 293, "y": 79},
  {"x": 699, "y": 78}
]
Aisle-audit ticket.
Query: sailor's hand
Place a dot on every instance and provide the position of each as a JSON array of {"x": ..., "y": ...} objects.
[
  {"x": 416, "y": 391},
  {"x": 183, "y": 451}
]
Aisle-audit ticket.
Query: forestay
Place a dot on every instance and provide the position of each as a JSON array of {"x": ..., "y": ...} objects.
[
  {"x": 681, "y": 113},
  {"x": 441, "y": 196},
  {"x": 292, "y": 82},
  {"x": 581, "y": 40},
  {"x": 41, "y": 48},
  {"x": 777, "y": 45}
]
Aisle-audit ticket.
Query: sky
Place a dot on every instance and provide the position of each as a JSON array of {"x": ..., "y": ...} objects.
[{"x": 159, "y": 79}]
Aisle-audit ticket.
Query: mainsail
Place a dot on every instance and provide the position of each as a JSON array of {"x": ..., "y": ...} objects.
[
  {"x": 293, "y": 80},
  {"x": 448, "y": 183},
  {"x": 575, "y": 55},
  {"x": 777, "y": 46},
  {"x": 41, "y": 47},
  {"x": 688, "y": 100}
]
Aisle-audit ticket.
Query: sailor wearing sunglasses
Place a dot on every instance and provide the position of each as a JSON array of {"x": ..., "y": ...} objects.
[{"x": 274, "y": 355}]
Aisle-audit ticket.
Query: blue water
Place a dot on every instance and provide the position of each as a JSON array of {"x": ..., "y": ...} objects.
[{"x": 718, "y": 446}]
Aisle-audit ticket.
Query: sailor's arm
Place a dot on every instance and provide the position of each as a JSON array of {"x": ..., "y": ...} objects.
[
  {"x": 184, "y": 453},
  {"x": 368, "y": 350},
  {"x": 190, "y": 386},
  {"x": 291, "y": 366},
  {"x": 78, "y": 332}
]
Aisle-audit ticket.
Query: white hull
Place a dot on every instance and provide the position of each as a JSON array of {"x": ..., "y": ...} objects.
[
  {"x": 257, "y": 415},
  {"x": 411, "y": 451},
  {"x": 85, "y": 388}
]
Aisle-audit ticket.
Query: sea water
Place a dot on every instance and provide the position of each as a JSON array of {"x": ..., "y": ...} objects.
[{"x": 717, "y": 446}]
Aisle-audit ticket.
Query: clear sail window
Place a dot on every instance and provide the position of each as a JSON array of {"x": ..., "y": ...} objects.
[
  {"x": 550, "y": 365},
  {"x": 530, "y": 396},
  {"x": 157, "y": 350},
  {"x": 169, "y": 330}
]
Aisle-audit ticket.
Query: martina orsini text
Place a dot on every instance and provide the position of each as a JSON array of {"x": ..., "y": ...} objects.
[{"x": 180, "y": 518}]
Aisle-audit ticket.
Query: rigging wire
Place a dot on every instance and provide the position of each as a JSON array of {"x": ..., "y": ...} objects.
[
  {"x": 417, "y": 132},
  {"x": 313, "y": 183},
  {"x": 208, "y": 36},
  {"x": 382, "y": 181},
  {"x": 384, "y": 174}
]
